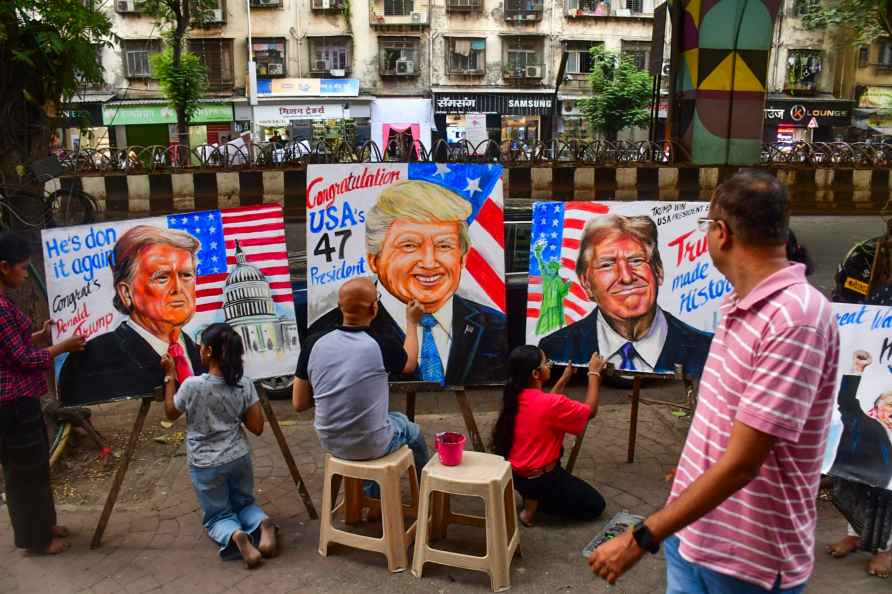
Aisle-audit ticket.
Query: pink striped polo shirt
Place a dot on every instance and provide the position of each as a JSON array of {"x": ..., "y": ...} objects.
[{"x": 772, "y": 366}]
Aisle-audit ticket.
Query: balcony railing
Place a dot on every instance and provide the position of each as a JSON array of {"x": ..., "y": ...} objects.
[
  {"x": 523, "y": 10},
  {"x": 603, "y": 8},
  {"x": 399, "y": 14},
  {"x": 464, "y": 5}
]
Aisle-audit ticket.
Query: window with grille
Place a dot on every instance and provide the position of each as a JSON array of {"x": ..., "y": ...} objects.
[
  {"x": 803, "y": 68},
  {"x": 216, "y": 55},
  {"x": 466, "y": 55},
  {"x": 635, "y": 6},
  {"x": 884, "y": 56},
  {"x": 638, "y": 52},
  {"x": 579, "y": 60},
  {"x": 269, "y": 54},
  {"x": 329, "y": 53},
  {"x": 136, "y": 56},
  {"x": 266, "y": 3},
  {"x": 398, "y": 7},
  {"x": 522, "y": 53},
  {"x": 802, "y": 8},
  {"x": 398, "y": 56},
  {"x": 463, "y": 5},
  {"x": 515, "y": 8}
]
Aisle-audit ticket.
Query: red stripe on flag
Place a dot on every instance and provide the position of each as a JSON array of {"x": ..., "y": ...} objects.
[
  {"x": 280, "y": 285},
  {"x": 254, "y": 216},
  {"x": 199, "y": 293},
  {"x": 534, "y": 296},
  {"x": 592, "y": 207},
  {"x": 570, "y": 243},
  {"x": 252, "y": 241},
  {"x": 212, "y": 278},
  {"x": 574, "y": 223},
  {"x": 272, "y": 207},
  {"x": 572, "y": 306},
  {"x": 283, "y": 298},
  {"x": 208, "y": 306},
  {"x": 260, "y": 257},
  {"x": 532, "y": 313},
  {"x": 577, "y": 290},
  {"x": 490, "y": 218},
  {"x": 254, "y": 229},
  {"x": 486, "y": 277},
  {"x": 568, "y": 263}
]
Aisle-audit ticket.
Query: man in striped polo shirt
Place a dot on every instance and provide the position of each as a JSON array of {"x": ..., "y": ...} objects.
[{"x": 741, "y": 516}]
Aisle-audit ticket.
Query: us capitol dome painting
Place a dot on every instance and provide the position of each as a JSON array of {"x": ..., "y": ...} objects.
[{"x": 249, "y": 308}]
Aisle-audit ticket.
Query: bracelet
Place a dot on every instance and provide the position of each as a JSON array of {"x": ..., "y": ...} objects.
[
  {"x": 169, "y": 378},
  {"x": 598, "y": 373}
]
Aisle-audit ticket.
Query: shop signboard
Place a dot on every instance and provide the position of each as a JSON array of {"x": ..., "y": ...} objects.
[
  {"x": 800, "y": 112},
  {"x": 876, "y": 98},
  {"x": 494, "y": 103},
  {"x": 308, "y": 87},
  {"x": 281, "y": 115},
  {"x": 128, "y": 115}
]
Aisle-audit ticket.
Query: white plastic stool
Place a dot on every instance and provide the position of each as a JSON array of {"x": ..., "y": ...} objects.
[
  {"x": 386, "y": 471},
  {"x": 479, "y": 475}
]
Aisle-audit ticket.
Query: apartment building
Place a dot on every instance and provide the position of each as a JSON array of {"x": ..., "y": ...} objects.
[
  {"x": 806, "y": 101},
  {"x": 382, "y": 70}
]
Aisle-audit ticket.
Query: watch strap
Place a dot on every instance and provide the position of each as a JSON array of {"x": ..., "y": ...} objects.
[{"x": 645, "y": 539}]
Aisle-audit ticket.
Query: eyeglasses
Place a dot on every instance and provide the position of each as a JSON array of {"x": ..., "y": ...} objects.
[{"x": 703, "y": 224}]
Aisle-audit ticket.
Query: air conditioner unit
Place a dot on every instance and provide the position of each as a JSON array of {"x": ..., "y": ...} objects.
[
  {"x": 533, "y": 72},
  {"x": 277, "y": 69},
  {"x": 125, "y": 6},
  {"x": 320, "y": 65},
  {"x": 216, "y": 16},
  {"x": 338, "y": 72},
  {"x": 265, "y": 2},
  {"x": 416, "y": 17},
  {"x": 405, "y": 67}
]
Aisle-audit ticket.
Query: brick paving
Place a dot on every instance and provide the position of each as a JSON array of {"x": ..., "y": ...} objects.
[{"x": 160, "y": 546}]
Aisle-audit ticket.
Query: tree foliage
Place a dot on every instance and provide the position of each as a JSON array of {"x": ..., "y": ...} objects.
[
  {"x": 858, "y": 22},
  {"x": 182, "y": 76},
  {"x": 621, "y": 93},
  {"x": 183, "y": 86}
]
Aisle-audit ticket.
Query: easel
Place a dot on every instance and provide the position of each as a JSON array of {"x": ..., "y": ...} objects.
[
  {"x": 138, "y": 424},
  {"x": 881, "y": 269},
  {"x": 635, "y": 397},
  {"x": 411, "y": 388}
]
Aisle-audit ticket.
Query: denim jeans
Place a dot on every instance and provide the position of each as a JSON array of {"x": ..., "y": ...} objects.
[
  {"x": 226, "y": 495},
  {"x": 405, "y": 432},
  {"x": 684, "y": 577}
]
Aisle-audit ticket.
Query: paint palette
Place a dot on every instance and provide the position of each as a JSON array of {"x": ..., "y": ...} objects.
[{"x": 621, "y": 522}]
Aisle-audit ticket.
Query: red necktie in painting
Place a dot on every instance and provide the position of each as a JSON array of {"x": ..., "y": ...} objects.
[{"x": 178, "y": 354}]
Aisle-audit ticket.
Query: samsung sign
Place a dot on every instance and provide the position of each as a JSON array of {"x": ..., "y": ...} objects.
[{"x": 494, "y": 103}]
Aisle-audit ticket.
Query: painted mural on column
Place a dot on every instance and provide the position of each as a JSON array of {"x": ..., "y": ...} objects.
[{"x": 720, "y": 82}]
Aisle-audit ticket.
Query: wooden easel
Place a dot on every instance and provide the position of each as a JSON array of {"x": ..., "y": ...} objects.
[
  {"x": 635, "y": 398},
  {"x": 411, "y": 388},
  {"x": 138, "y": 424}
]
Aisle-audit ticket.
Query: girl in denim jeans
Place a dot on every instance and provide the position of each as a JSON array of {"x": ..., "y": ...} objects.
[{"x": 216, "y": 404}]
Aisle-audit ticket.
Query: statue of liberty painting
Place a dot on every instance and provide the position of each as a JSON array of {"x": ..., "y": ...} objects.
[{"x": 554, "y": 289}]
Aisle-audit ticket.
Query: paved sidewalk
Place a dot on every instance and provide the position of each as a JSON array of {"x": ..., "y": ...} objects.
[{"x": 160, "y": 546}]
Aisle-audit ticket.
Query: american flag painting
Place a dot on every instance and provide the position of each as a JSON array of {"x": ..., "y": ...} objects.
[
  {"x": 688, "y": 288},
  {"x": 557, "y": 228},
  {"x": 260, "y": 233},
  {"x": 241, "y": 277},
  {"x": 426, "y": 232}
]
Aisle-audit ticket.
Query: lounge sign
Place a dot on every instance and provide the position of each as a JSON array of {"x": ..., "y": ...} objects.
[{"x": 799, "y": 112}]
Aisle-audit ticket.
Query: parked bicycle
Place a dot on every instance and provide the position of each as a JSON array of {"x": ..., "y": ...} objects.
[{"x": 22, "y": 206}]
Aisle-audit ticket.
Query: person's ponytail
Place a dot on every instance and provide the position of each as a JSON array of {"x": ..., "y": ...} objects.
[
  {"x": 522, "y": 361},
  {"x": 227, "y": 350}
]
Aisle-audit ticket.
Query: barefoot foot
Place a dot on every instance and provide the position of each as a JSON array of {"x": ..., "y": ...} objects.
[
  {"x": 55, "y": 547},
  {"x": 61, "y": 532},
  {"x": 843, "y": 547},
  {"x": 269, "y": 545},
  {"x": 250, "y": 554},
  {"x": 880, "y": 565}
]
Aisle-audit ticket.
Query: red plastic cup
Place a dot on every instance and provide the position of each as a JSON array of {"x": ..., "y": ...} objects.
[{"x": 450, "y": 446}]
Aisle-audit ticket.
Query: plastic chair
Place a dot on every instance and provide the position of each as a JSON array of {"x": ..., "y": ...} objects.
[
  {"x": 386, "y": 471},
  {"x": 479, "y": 475}
]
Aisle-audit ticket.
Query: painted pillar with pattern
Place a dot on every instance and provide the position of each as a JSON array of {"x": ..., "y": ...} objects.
[{"x": 722, "y": 50}]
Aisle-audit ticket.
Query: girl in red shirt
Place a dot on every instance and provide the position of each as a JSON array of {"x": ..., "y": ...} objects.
[{"x": 530, "y": 435}]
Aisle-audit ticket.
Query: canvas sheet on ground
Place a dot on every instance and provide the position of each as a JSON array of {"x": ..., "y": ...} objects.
[
  {"x": 859, "y": 445},
  {"x": 632, "y": 281},
  {"x": 173, "y": 276},
  {"x": 431, "y": 232}
]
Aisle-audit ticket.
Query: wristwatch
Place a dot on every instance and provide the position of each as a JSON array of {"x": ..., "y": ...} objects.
[{"x": 645, "y": 539}]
